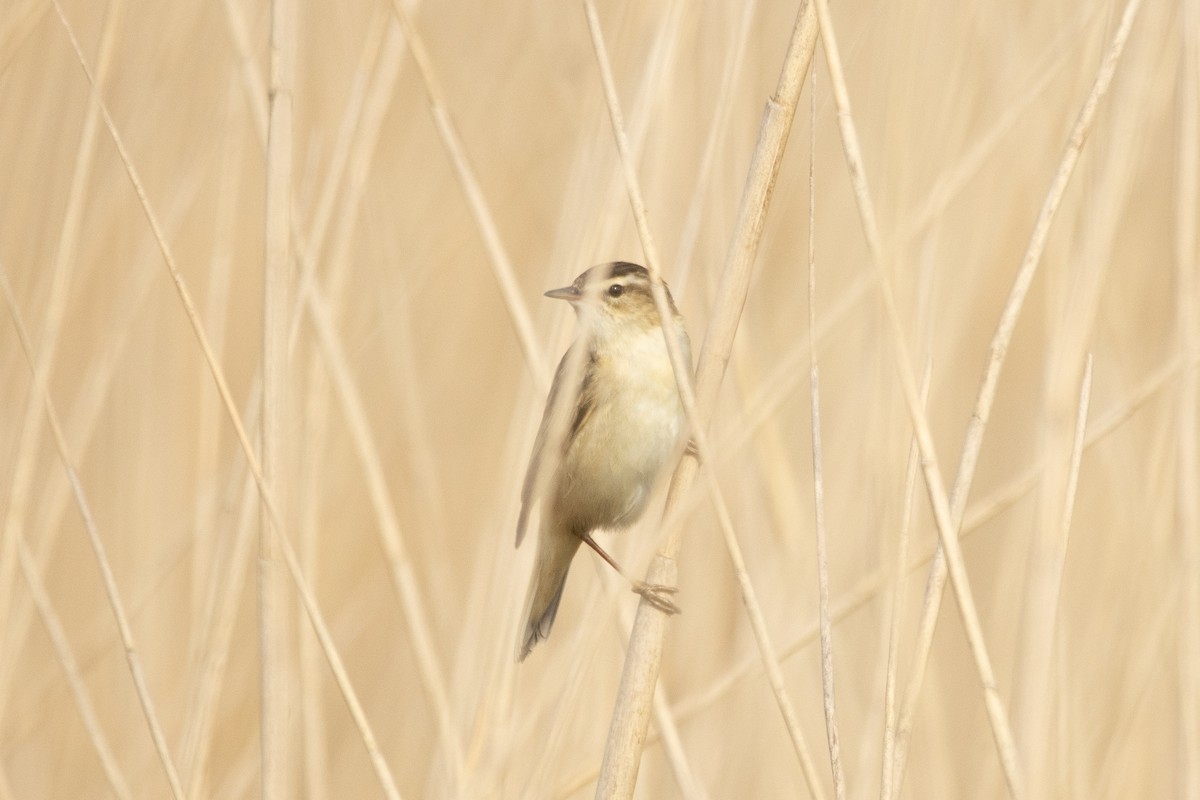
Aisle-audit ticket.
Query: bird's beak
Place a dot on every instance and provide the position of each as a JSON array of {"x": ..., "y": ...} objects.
[{"x": 568, "y": 293}]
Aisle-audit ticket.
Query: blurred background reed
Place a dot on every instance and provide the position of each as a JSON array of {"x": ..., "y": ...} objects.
[{"x": 411, "y": 402}]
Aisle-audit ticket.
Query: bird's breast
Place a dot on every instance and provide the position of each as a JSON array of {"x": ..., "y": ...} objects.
[{"x": 621, "y": 450}]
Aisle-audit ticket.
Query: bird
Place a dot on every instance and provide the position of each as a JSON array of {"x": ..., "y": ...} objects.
[{"x": 619, "y": 426}]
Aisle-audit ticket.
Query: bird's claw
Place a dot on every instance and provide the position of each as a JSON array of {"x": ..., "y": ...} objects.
[{"x": 656, "y": 594}]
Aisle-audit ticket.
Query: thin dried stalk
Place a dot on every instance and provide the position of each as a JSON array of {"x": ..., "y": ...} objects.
[
  {"x": 647, "y": 99},
  {"x": 313, "y": 742},
  {"x": 667, "y": 729},
  {"x": 997, "y": 716},
  {"x": 501, "y": 264},
  {"x": 84, "y": 419},
  {"x": 1044, "y": 71},
  {"x": 70, "y": 667},
  {"x": 398, "y": 561},
  {"x": 354, "y": 146},
  {"x": 18, "y": 24},
  {"x": 690, "y": 233},
  {"x": 870, "y": 585},
  {"x": 224, "y": 600},
  {"x": 825, "y": 617},
  {"x": 306, "y": 596},
  {"x": 683, "y": 379},
  {"x": 1034, "y": 700},
  {"x": 498, "y": 256},
  {"x": 273, "y": 628},
  {"x": 680, "y": 367},
  {"x": 899, "y": 598},
  {"x": 982, "y": 512},
  {"x": 368, "y": 118},
  {"x": 350, "y": 164},
  {"x": 668, "y": 738},
  {"x": 320, "y": 304},
  {"x": 208, "y": 424},
  {"x": 89, "y": 524},
  {"x": 214, "y": 583},
  {"x": 627, "y": 731},
  {"x": 787, "y": 374},
  {"x": 62, "y": 273},
  {"x": 255, "y": 86},
  {"x": 1143, "y": 677},
  {"x": 1085, "y": 399},
  {"x": 995, "y": 360},
  {"x": 1079, "y": 304},
  {"x": 308, "y": 244},
  {"x": 826, "y": 621},
  {"x": 1187, "y": 499}
]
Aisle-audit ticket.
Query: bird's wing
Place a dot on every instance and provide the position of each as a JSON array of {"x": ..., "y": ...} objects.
[{"x": 584, "y": 404}]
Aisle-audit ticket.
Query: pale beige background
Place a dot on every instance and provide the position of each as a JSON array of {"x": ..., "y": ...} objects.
[{"x": 963, "y": 109}]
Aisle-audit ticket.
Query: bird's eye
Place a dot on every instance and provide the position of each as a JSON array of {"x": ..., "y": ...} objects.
[{"x": 615, "y": 290}]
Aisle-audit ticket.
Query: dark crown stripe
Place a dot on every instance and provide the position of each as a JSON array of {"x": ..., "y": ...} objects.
[{"x": 618, "y": 269}]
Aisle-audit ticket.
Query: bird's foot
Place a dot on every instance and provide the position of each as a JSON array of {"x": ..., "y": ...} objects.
[{"x": 658, "y": 595}]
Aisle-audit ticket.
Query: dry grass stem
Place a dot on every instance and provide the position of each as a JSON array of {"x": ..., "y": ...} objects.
[
  {"x": 399, "y": 562},
  {"x": 74, "y": 676},
  {"x": 314, "y": 752},
  {"x": 690, "y": 235},
  {"x": 211, "y": 672},
  {"x": 81, "y": 429},
  {"x": 275, "y": 636},
  {"x": 102, "y": 562},
  {"x": 254, "y": 84},
  {"x": 773, "y": 393},
  {"x": 1187, "y": 262},
  {"x": 1138, "y": 682},
  {"x": 995, "y": 360},
  {"x": 954, "y": 180},
  {"x": 306, "y": 596},
  {"x": 216, "y": 317},
  {"x": 667, "y": 728},
  {"x": 826, "y": 620},
  {"x": 365, "y": 119},
  {"x": 501, "y": 264},
  {"x": 1034, "y": 698},
  {"x": 869, "y": 586},
  {"x": 627, "y": 730},
  {"x": 62, "y": 272},
  {"x": 899, "y": 600},
  {"x": 947, "y": 532},
  {"x": 655, "y": 75},
  {"x": 618, "y": 772},
  {"x": 1078, "y": 441}
]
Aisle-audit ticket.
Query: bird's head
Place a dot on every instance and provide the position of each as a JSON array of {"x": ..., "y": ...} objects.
[{"x": 616, "y": 294}]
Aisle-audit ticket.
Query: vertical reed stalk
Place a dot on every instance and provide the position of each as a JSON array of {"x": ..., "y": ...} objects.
[
  {"x": 627, "y": 731},
  {"x": 826, "y": 620},
  {"x": 274, "y": 628},
  {"x": 1187, "y": 261},
  {"x": 997, "y": 352}
]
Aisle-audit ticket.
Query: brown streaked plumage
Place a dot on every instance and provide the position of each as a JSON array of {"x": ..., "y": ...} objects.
[{"x": 626, "y": 423}]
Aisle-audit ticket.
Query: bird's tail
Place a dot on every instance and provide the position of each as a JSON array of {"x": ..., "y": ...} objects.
[{"x": 555, "y": 551}]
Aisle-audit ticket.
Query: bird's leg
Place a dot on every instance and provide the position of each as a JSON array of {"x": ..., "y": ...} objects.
[{"x": 655, "y": 593}]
